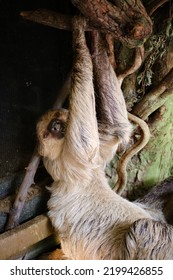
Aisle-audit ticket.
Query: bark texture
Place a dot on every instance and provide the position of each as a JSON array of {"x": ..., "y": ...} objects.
[{"x": 126, "y": 20}]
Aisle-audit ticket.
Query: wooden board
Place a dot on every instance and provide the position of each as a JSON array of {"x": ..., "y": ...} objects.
[{"x": 18, "y": 240}]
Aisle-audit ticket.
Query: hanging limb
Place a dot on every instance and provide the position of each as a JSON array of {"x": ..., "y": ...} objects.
[
  {"x": 145, "y": 132},
  {"x": 155, "y": 98},
  {"x": 32, "y": 167}
]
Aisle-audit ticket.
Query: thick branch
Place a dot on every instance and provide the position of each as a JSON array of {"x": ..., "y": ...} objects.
[
  {"x": 131, "y": 26},
  {"x": 155, "y": 98},
  {"x": 126, "y": 20},
  {"x": 50, "y": 18}
]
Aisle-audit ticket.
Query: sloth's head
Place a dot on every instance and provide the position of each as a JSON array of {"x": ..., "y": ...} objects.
[{"x": 51, "y": 130}]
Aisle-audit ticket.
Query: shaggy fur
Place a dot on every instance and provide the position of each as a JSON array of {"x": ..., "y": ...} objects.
[{"x": 92, "y": 221}]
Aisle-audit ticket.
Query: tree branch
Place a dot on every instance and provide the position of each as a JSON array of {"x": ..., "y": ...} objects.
[
  {"x": 155, "y": 98},
  {"x": 50, "y": 18},
  {"x": 126, "y": 20},
  {"x": 131, "y": 26},
  {"x": 28, "y": 180}
]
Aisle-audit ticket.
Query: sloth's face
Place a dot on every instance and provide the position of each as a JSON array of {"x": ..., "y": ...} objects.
[{"x": 51, "y": 130}]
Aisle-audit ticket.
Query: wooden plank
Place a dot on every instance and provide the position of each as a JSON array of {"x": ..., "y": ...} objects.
[{"x": 18, "y": 240}]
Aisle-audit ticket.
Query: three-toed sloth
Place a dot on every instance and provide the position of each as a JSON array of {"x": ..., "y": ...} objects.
[{"x": 92, "y": 221}]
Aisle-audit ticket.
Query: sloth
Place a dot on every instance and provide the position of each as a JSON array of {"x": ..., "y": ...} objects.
[{"x": 93, "y": 222}]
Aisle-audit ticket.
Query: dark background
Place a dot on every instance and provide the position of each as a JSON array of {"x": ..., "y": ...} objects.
[{"x": 34, "y": 63}]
